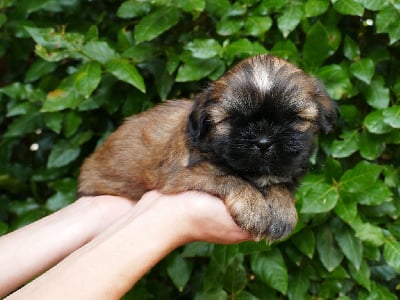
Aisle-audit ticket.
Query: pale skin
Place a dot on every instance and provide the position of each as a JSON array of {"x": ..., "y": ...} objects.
[{"x": 99, "y": 247}]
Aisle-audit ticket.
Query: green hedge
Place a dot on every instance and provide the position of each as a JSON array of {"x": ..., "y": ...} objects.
[{"x": 72, "y": 70}]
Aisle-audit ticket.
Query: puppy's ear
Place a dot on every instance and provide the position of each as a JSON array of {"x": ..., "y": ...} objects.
[
  {"x": 199, "y": 124},
  {"x": 327, "y": 109}
]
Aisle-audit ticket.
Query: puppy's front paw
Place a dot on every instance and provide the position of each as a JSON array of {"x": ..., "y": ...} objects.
[{"x": 272, "y": 217}]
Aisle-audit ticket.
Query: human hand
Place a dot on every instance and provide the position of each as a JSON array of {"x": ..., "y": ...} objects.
[{"x": 201, "y": 217}]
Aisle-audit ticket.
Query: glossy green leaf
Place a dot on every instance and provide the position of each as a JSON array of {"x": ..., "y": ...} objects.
[
  {"x": 256, "y": 25},
  {"x": 363, "y": 69},
  {"x": 375, "y": 122},
  {"x": 71, "y": 121},
  {"x": 229, "y": 26},
  {"x": 305, "y": 242},
  {"x": 193, "y": 6},
  {"x": 23, "y": 124},
  {"x": 243, "y": 48},
  {"x": 38, "y": 69},
  {"x": 346, "y": 209},
  {"x": 204, "y": 48},
  {"x": 290, "y": 18},
  {"x": 127, "y": 72},
  {"x": 62, "y": 154},
  {"x": 371, "y": 146},
  {"x": 285, "y": 49},
  {"x": 61, "y": 99},
  {"x": 299, "y": 284},
  {"x": 179, "y": 270},
  {"x": 154, "y": 24},
  {"x": 392, "y": 116},
  {"x": 196, "y": 69},
  {"x": 336, "y": 80},
  {"x": 319, "y": 198},
  {"x": 349, "y": 7},
  {"x": 219, "y": 294},
  {"x": 235, "y": 277},
  {"x": 350, "y": 48},
  {"x": 133, "y": 8},
  {"x": 377, "y": 95},
  {"x": 377, "y": 291},
  {"x": 392, "y": 253},
  {"x": 361, "y": 275},
  {"x": 356, "y": 179},
  {"x": 88, "y": 78},
  {"x": 350, "y": 246},
  {"x": 316, "y": 47},
  {"x": 347, "y": 145},
  {"x": 387, "y": 21},
  {"x": 272, "y": 269},
  {"x": 329, "y": 254},
  {"x": 99, "y": 51},
  {"x": 369, "y": 233},
  {"x": 374, "y": 4},
  {"x": 53, "y": 121},
  {"x": 315, "y": 8}
]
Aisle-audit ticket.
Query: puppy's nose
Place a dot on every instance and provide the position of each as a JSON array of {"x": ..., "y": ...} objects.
[{"x": 264, "y": 142}]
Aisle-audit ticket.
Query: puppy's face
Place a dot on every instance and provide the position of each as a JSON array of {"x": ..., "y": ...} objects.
[{"x": 261, "y": 117}]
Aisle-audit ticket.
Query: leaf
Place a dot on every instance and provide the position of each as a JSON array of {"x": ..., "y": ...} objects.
[
  {"x": 62, "y": 154},
  {"x": 371, "y": 146},
  {"x": 305, "y": 242},
  {"x": 243, "y": 48},
  {"x": 219, "y": 294},
  {"x": 392, "y": 116},
  {"x": 351, "y": 247},
  {"x": 350, "y": 48},
  {"x": 191, "y": 6},
  {"x": 391, "y": 252},
  {"x": 374, "y": 4},
  {"x": 369, "y": 233},
  {"x": 316, "y": 48},
  {"x": 38, "y": 69},
  {"x": 132, "y": 8},
  {"x": 235, "y": 277},
  {"x": 314, "y": 8},
  {"x": 290, "y": 18},
  {"x": 61, "y": 99},
  {"x": 285, "y": 49},
  {"x": 87, "y": 78},
  {"x": 357, "y": 179},
  {"x": 204, "y": 48},
  {"x": 196, "y": 69},
  {"x": 349, "y": 7},
  {"x": 347, "y": 145},
  {"x": 336, "y": 80},
  {"x": 299, "y": 284},
  {"x": 256, "y": 25},
  {"x": 363, "y": 69},
  {"x": 125, "y": 71},
  {"x": 375, "y": 122},
  {"x": 376, "y": 94},
  {"x": 361, "y": 275},
  {"x": 23, "y": 125},
  {"x": 179, "y": 270},
  {"x": 229, "y": 26},
  {"x": 72, "y": 121},
  {"x": 387, "y": 21},
  {"x": 319, "y": 198},
  {"x": 346, "y": 209},
  {"x": 376, "y": 292},
  {"x": 157, "y": 22},
  {"x": 99, "y": 51},
  {"x": 328, "y": 252},
  {"x": 271, "y": 269}
]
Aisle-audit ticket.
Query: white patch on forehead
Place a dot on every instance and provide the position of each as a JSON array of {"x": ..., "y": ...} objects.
[{"x": 262, "y": 78}]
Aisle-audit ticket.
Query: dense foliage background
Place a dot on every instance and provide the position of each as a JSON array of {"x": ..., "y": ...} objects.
[{"x": 71, "y": 70}]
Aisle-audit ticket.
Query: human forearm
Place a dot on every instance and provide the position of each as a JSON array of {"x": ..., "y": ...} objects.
[
  {"x": 29, "y": 251},
  {"x": 110, "y": 264}
]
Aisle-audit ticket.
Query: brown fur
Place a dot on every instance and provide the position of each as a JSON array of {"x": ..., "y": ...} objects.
[{"x": 154, "y": 150}]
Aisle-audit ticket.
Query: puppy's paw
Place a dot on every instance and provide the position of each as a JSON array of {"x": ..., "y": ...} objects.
[{"x": 272, "y": 217}]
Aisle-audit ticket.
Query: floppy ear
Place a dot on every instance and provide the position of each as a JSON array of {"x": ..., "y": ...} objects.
[
  {"x": 198, "y": 123},
  {"x": 327, "y": 109}
]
